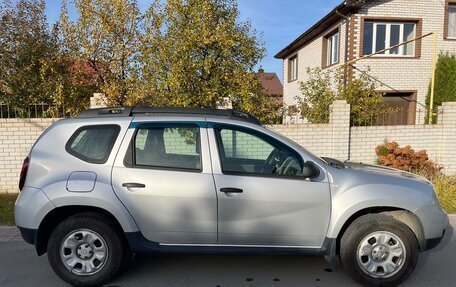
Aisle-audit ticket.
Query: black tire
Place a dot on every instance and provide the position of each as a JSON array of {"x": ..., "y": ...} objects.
[
  {"x": 102, "y": 226},
  {"x": 357, "y": 233}
]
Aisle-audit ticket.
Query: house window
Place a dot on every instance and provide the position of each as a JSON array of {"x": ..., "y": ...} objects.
[
  {"x": 379, "y": 36},
  {"x": 332, "y": 49},
  {"x": 293, "y": 68},
  {"x": 451, "y": 21}
]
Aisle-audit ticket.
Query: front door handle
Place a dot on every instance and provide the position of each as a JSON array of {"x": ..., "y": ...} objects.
[
  {"x": 133, "y": 185},
  {"x": 231, "y": 190}
]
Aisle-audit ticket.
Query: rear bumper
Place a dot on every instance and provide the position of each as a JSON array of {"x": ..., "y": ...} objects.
[
  {"x": 28, "y": 235},
  {"x": 31, "y": 207}
]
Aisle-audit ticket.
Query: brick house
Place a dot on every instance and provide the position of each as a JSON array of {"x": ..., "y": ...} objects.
[{"x": 356, "y": 28}]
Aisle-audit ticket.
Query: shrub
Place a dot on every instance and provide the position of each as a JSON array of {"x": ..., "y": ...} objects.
[
  {"x": 323, "y": 87},
  {"x": 445, "y": 80},
  {"x": 407, "y": 159}
]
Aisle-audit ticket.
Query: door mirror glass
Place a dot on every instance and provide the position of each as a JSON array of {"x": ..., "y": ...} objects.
[{"x": 310, "y": 170}]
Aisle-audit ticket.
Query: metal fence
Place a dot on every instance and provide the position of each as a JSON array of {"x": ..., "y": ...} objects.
[
  {"x": 41, "y": 110},
  {"x": 394, "y": 117}
]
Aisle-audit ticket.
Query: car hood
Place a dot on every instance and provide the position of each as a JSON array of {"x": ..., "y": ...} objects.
[
  {"x": 382, "y": 170},
  {"x": 374, "y": 170}
]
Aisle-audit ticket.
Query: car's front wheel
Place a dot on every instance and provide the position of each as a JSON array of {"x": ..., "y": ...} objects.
[
  {"x": 86, "y": 250},
  {"x": 378, "y": 250}
]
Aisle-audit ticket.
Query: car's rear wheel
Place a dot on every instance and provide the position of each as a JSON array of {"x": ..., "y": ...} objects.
[
  {"x": 86, "y": 249},
  {"x": 378, "y": 250}
]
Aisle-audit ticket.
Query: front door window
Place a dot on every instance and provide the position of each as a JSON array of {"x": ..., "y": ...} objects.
[{"x": 244, "y": 152}]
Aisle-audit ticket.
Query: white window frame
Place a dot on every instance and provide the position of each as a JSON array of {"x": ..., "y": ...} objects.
[
  {"x": 332, "y": 49},
  {"x": 293, "y": 62},
  {"x": 388, "y": 38},
  {"x": 450, "y": 6}
]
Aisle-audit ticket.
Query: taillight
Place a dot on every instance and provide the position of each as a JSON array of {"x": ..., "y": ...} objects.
[{"x": 24, "y": 170}]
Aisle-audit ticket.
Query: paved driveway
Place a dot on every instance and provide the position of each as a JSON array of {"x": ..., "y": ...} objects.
[{"x": 19, "y": 266}]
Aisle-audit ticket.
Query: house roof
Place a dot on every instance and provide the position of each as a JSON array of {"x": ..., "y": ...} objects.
[
  {"x": 325, "y": 23},
  {"x": 270, "y": 83}
]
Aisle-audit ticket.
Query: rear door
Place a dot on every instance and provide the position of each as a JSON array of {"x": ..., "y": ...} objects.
[{"x": 163, "y": 176}]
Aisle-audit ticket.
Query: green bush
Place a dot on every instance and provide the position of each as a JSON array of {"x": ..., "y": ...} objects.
[
  {"x": 445, "y": 81},
  {"x": 323, "y": 87}
]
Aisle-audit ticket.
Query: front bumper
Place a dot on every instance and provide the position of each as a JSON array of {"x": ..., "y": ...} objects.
[
  {"x": 433, "y": 242},
  {"x": 434, "y": 222}
]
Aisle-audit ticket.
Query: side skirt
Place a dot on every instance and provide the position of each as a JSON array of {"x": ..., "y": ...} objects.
[{"x": 139, "y": 244}]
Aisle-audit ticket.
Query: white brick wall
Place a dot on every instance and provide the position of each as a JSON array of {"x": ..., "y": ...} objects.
[
  {"x": 309, "y": 56},
  {"x": 16, "y": 138},
  {"x": 395, "y": 74},
  {"x": 335, "y": 139},
  {"x": 408, "y": 74}
]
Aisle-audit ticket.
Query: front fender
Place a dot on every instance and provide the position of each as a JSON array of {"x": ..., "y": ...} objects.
[{"x": 348, "y": 202}]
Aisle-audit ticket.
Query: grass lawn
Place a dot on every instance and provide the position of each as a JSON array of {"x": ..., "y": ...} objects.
[{"x": 7, "y": 208}]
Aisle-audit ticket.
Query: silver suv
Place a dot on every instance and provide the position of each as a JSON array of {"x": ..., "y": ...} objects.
[{"x": 117, "y": 181}]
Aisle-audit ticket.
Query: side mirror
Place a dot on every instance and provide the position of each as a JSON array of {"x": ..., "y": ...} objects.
[{"x": 310, "y": 170}]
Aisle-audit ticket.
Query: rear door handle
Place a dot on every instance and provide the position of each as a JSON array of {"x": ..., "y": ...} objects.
[
  {"x": 231, "y": 190},
  {"x": 133, "y": 185}
]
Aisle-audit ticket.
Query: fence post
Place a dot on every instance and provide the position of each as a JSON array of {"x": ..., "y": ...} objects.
[
  {"x": 448, "y": 122},
  {"x": 339, "y": 119},
  {"x": 98, "y": 101}
]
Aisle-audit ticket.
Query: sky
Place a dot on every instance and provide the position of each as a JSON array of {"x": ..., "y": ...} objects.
[{"x": 279, "y": 21}]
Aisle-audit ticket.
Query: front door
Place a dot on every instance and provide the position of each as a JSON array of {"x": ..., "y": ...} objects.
[
  {"x": 263, "y": 198},
  {"x": 164, "y": 178}
]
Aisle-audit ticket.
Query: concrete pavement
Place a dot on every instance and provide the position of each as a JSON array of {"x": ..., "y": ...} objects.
[{"x": 20, "y": 266}]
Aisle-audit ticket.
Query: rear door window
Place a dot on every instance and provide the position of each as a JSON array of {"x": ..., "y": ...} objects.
[
  {"x": 93, "y": 143},
  {"x": 171, "y": 146}
]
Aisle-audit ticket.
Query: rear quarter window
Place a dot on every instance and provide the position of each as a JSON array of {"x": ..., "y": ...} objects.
[{"x": 93, "y": 144}]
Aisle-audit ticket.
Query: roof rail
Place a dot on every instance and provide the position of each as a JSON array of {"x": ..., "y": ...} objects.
[
  {"x": 106, "y": 112},
  {"x": 132, "y": 111}
]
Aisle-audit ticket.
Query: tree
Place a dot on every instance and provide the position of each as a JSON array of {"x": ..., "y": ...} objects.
[
  {"x": 197, "y": 53},
  {"x": 325, "y": 86},
  {"x": 318, "y": 94},
  {"x": 107, "y": 37},
  {"x": 26, "y": 43},
  {"x": 188, "y": 53}
]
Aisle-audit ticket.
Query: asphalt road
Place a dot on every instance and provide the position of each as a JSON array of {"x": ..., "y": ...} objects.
[{"x": 19, "y": 266}]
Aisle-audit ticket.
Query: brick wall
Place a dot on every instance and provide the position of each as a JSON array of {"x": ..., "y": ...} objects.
[
  {"x": 16, "y": 138},
  {"x": 406, "y": 74},
  {"x": 394, "y": 74},
  {"x": 335, "y": 139},
  {"x": 309, "y": 56}
]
